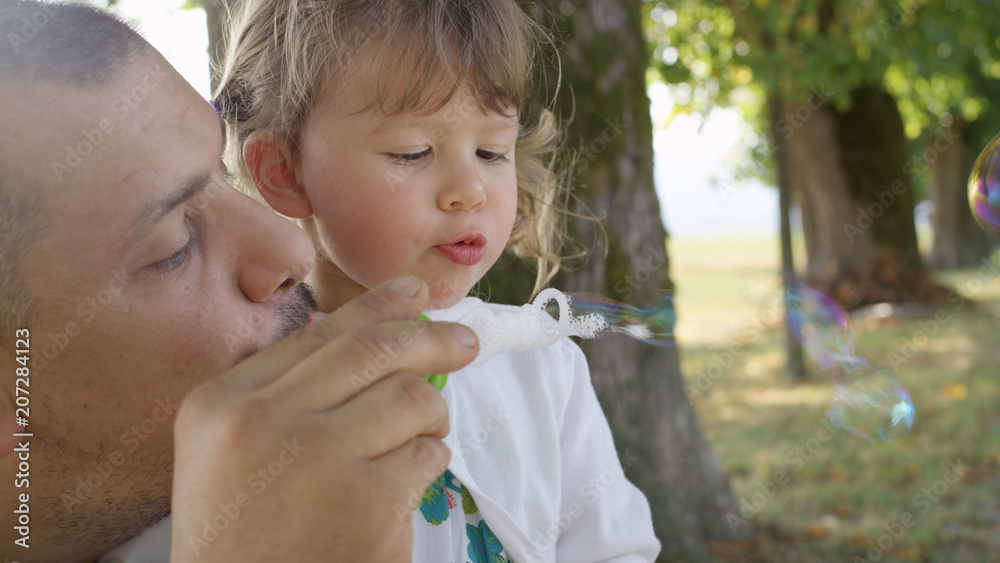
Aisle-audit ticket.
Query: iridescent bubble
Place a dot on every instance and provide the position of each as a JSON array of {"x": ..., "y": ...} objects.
[
  {"x": 652, "y": 326},
  {"x": 984, "y": 188},
  {"x": 871, "y": 404},
  {"x": 822, "y": 325},
  {"x": 867, "y": 401}
]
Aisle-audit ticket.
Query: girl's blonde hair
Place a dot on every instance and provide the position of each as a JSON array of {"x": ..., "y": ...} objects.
[{"x": 282, "y": 55}]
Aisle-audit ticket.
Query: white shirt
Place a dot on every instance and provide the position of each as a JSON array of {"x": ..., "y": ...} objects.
[{"x": 530, "y": 443}]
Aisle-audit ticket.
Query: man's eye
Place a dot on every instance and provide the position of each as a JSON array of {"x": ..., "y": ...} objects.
[
  {"x": 176, "y": 259},
  {"x": 491, "y": 156},
  {"x": 408, "y": 158}
]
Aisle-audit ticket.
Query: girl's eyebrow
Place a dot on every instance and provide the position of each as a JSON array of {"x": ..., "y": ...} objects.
[{"x": 395, "y": 123}]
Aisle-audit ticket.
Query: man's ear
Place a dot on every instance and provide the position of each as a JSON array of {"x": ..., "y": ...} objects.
[{"x": 269, "y": 158}]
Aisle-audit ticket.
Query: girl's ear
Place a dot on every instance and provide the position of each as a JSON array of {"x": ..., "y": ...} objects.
[{"x": 269, "y": 158}]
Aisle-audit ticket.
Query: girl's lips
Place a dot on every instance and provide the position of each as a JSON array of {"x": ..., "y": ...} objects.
[{"x": 462, "y": 253}]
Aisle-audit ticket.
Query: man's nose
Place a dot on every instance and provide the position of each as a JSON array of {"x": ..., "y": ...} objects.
[
  {"x": 461, "y": 188},
  {"x": 273, "y": 254}
]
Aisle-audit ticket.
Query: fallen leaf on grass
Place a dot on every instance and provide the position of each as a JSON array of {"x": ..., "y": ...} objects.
[
  {"x": 817, "y": 530},
  {"x": 858, "y": 540},
  {"x": 955, "y": 391},
  {"x": 842, "y": 510}
]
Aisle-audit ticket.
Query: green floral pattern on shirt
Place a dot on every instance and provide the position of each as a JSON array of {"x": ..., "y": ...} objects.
[{"x": 436, "y": 506}]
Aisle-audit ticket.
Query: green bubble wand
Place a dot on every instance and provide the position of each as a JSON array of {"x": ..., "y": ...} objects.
[{"x": 438, "y": 380}]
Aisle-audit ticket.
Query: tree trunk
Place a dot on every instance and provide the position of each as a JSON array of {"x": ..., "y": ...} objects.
[
  {"x": 853, "y": 170},
  {"x": 958, "y": 240},
  {"x": 795, "y": 363},
  {"x": 827, "y": 206},
  {"x": 640, "y": 386},
  {"x": 215, "y": 16}
]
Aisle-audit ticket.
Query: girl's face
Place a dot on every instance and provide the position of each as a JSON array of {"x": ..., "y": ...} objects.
[{"x": 428, "y": 194}]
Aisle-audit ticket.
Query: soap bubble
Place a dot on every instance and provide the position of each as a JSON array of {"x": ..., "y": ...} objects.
[
  {"x": 652, "y": 326},
  {"x": 822, "y": 326},
  {"x": 871, "y": 404},
  {"x": 984, "y": 188},
  {"x": 867, "y": 401}
]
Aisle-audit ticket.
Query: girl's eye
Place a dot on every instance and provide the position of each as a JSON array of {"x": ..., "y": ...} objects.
[
  {"x": 176, "y": 259},
  {"x": 491, "y": 156},
  {"x": 408, "y": 158}
]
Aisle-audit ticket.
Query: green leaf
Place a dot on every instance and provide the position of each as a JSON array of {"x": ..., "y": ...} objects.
[{"x": 468, "y": 503}]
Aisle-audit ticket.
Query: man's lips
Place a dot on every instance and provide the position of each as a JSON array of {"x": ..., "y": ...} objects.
[{"x": 468, "y": 250}]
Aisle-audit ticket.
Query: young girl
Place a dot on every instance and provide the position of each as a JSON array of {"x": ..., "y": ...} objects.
[{"x": 395, "y": 132}]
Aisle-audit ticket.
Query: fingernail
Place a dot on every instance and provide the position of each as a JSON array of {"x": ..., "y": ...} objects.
[
  {"x": 407, "y": 286},
  {"x": 464, "y": 335}
]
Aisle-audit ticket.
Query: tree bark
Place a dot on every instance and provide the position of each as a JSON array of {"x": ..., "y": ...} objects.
[
  {"x": 855, "y": 175},
  {"x": 640, "y": 386},
  {"x": 958, "y": 240},
  {"x": 215, "y": 19},
  {"x": 827, "y": 207},
  {"x": 794, "y": 357}
]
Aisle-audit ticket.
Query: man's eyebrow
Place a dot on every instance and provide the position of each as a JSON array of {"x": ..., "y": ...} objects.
[{"x": 153, "y": 212}]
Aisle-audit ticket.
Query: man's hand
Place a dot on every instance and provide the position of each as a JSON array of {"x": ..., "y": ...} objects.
[{"x": 319, "y": 448}]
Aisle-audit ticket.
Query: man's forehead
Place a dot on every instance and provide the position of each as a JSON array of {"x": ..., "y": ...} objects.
[{"x": 117, "y": 144}]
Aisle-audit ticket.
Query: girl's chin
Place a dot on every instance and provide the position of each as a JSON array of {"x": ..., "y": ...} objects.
[{"x": 445, "y": 295}]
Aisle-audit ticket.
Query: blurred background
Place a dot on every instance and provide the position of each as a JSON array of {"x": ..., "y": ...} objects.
[{"x": 824, "y": 141}]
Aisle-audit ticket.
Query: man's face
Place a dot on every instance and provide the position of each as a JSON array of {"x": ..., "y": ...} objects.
[{"x": 151, "y": 275}]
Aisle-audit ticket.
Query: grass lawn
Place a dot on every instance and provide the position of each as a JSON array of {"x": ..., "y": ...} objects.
[{"x": 809, "y": 491}]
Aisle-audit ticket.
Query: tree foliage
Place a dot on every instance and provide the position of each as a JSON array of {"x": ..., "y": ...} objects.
[{"x": 940, "y": 59}]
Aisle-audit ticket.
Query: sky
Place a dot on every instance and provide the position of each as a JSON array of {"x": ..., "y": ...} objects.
[{"x": 687, "y": 155}]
